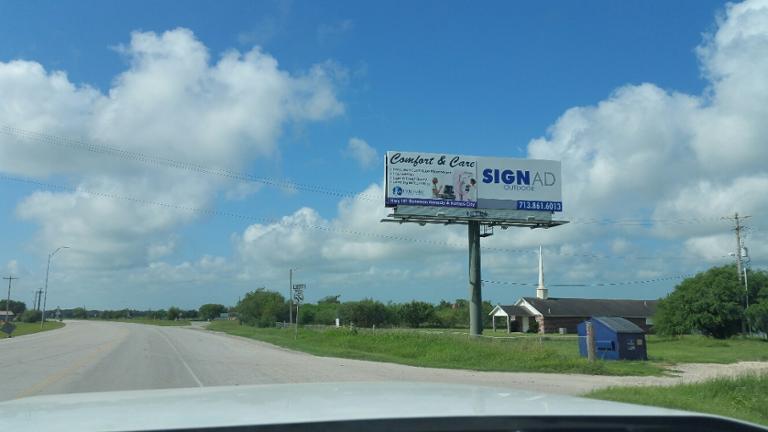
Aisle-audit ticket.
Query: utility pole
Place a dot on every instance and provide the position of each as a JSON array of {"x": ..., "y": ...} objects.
[
  {"x": 746, "y": 292},
  {"x": 8, "y": 300},
  {"x": 590, "y": 341},
  {"x": 290, "y": 296},
  {"x": 737, "y": 219},
  {"x": 47, "y": 271},
  {"x": 36, "y": 299}
]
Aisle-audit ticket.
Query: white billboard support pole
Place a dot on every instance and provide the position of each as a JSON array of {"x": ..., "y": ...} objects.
[{"x": 475, "y": 287}]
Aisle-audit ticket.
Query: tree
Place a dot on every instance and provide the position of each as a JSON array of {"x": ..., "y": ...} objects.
[
  {"x": 448, "y": 317},
  {"x": 327, "y": 313},
  {"x": 79, "y": 313},
  {"x": 173, "y": 313},
  {"x": 113, "y": 314},
  {"x": 416, "y": 313},
  {"x": 757, "y": 316},
  {"x": 17, "y": 307},
  {"x": 30, "y": 316},
  {"x": 262, "y": 308},
  {"x": 486, "y": 311},
  {"x": 157, "y": 315},
  {"x": 331, "y": 299},
  {"x": 307, "y": 313},
  {"x": 365, "y": 313},
  {"x": 211, "y": 311},
  {"x": 711, "y": 302}
]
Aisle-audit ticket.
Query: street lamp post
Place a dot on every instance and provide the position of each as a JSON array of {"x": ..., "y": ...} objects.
[{"x": 47, "y": 271}]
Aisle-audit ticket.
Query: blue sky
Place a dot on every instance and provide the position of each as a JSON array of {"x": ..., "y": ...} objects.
[{"x": 513, "y": 79}]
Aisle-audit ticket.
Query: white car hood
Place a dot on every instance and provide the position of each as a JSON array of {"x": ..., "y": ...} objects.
[{"x": 292, "y": 403}]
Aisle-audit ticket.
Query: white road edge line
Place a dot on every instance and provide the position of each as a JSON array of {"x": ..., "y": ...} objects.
[{"x": 178, "y": 354}]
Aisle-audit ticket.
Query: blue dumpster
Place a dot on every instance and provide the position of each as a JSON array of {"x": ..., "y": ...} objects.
[{"x": 616, "y": 338}]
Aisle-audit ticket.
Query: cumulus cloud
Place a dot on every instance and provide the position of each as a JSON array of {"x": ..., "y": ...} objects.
[
  {"x": 354, "y": 252},
  {"x": 649, "y": 152},
  {"x": 362, "y": 152},
  {"x": 680, "y": 160},
  {"x": 173, "y": 102},
  {"x": 12, "y": 267}
]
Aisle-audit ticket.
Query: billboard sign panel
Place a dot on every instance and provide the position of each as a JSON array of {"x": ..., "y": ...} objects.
[{"x": 472, "y": 182}]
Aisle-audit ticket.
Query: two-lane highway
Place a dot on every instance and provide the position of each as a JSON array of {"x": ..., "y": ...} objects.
[{"x": 88, "y": 356}]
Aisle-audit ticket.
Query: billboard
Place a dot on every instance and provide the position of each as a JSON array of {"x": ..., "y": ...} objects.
[{"x": 472, "y": 182}]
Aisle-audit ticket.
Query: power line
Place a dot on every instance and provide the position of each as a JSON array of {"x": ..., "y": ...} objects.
[
  {"x": 595, "y": 284},
  {"x": 172, "y": 163},
  {"x": 275, "y": 221},
  {"x": 281, "y": 183},
  {"x": 644, "y": 222}
]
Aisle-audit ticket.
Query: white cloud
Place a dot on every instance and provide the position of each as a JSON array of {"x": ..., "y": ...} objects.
[
  {"x": 161, "y": 249},
  {"x": 172, "y": 102},
  {"x": 643, "y": 153},
  {"x": 683, "y": 160},
  {"x": 12, "y": 267},
  {"x": 362, "y": 152},
  {"x": 242, "y": 190}
]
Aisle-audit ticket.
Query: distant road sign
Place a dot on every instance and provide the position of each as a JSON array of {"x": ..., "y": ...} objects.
[
  {"x": 298, "y": 292},
  {"x": 8, "y": 328}
]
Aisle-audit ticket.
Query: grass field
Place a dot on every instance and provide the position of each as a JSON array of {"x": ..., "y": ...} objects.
[
  {"x": 684, "y": 349},
  {"x": 745, "y": 397},
  {"x": 524, "y": 353},
  {"x": 154, "y": 322},
  {"x": 701, "y": 349},
  {"x": 29, "y": 328},
  {"x": 442, "y": 350}
]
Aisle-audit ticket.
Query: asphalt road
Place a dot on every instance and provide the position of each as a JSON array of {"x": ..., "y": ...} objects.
[{"x": 89, "y": 356}]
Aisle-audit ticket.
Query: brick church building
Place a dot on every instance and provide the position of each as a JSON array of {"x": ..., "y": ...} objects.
[{"x": 561, "y": 315}]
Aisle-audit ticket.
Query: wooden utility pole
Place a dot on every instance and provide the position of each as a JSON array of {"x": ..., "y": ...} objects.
[
  {"x": 590, "y": 341},
  {"x": 740, "y": 269},
  {"x": 290, "y": 296},
  {"x": 8, "y": 300},
  {"x": 39, "y": 300},
  {"x": 738, "y": 229}
]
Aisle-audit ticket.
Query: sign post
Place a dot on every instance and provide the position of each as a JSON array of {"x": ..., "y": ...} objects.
[
  {"x": 8, "y": 328},
  {"x": 485, "y": 192},
  {"x": 298, "y": 297}
]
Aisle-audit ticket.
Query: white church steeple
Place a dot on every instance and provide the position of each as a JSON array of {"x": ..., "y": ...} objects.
[{"x": 541, "y": 291}]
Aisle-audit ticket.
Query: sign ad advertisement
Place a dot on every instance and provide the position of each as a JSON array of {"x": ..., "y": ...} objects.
[{"x": 460, "y": 181}]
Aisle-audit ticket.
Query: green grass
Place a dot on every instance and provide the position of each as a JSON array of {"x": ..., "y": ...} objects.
[
  {"x": 744, "y": 397},
  {"x": 153, "y": 321},
  {"x": 668, "y": 350},
  {"x": 29, "y": 328},
  {"x": 701, "y": 349},
  {"x": 442, "y": 350}
]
